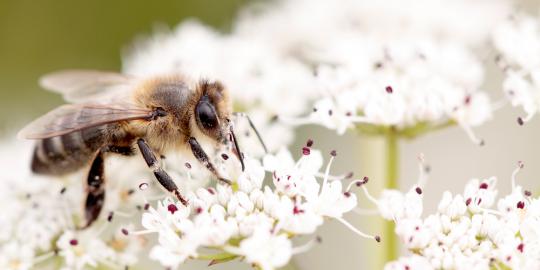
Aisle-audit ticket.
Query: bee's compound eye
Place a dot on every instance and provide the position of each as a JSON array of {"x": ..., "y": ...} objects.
[{"x": 207, "y": 115}]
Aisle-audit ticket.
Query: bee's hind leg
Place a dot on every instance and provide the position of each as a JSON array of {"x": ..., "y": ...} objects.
[
  {"x": 95, "y": 189},
  {"x": 161, "y": 175}
]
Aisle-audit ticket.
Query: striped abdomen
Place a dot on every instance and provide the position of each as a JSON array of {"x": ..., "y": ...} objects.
[{"x": 68, "y": 153}]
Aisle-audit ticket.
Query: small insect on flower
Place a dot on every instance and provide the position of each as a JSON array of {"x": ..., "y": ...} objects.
[{"x": 111, "y": 113}]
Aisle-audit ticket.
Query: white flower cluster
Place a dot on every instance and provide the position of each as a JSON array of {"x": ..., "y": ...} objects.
[
  {"x": 340, "y": 63},
  {"x": 472, "y": 230},
  {"x": 250, "y": 220},
  {"x": 42, "y": 216},
  {"x": 518, "y": 43}
]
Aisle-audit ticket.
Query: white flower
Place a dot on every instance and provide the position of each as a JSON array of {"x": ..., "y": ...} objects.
[
  {"x": 466, "y": 232},
  {"x": 267, "y": 250},
  {"x": 518, "y": 43},
  {"x": 250, "y": 219},
  {"x": 15, "y": 256},
  {"x": 80, "y": 250}
]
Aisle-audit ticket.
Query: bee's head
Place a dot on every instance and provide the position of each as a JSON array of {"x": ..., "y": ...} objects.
[{"x": 213, "y": 110}]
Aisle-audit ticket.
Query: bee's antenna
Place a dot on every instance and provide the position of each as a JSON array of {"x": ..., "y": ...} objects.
[
  {"x": 254, "y": 129},
  {"x": 237, "y": 148}
]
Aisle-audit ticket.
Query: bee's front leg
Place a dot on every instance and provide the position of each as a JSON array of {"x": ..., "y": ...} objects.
[
  {"x": 95, "y": 190},
  {"x": 161, "y": 175},
  {"x": 202, "y": 157}
]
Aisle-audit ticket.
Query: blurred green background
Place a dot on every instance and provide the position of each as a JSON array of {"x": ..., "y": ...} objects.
[{"x": 37, "y": 37}]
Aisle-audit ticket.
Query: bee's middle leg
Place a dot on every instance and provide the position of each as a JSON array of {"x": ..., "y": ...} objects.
[
  {"x": 161, "y": 175},
  {"x": 95, "y": 189}
]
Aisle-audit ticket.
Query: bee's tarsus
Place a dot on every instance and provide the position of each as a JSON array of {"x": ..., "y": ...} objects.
[
  {"x": 161, "y": 175},
  {"x": 181, "y": 198},
  {"x": 237, "y": 149},
  {"x": 202, "y": 157}
]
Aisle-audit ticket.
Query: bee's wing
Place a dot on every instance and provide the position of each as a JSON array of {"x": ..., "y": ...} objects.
[
  {"x": 73, "y": 117},
  {"x": 85, "y": 85}
]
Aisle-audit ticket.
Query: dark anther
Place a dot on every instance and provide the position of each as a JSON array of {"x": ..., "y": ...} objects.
[
  {"x": 309, "y": 143},
  {"x": 389, "y": 90},
  {"x": 172, "y": 208},
  {"x": 333, "y": 153},
  {"x": 520, "y": 121}
]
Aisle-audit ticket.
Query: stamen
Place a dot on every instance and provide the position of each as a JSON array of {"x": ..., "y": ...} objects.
[
  {"x": 521, "y": 121},
  {"x": 371, "y": 198},
  {"x": 306, "y": 247},
  {"x": 356, "y": 183},
  {"x": 355, "y": 230},
  {"x": 340, "y": 177},
  {"x": 471, "y": 135},
  {"x": 520, "y": 166},
  {"x": 423, "y": 171},
  {"x": 327, "y": 174}
]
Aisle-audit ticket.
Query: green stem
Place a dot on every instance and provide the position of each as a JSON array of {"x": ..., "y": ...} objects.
[{"x": 392, "y": 159}]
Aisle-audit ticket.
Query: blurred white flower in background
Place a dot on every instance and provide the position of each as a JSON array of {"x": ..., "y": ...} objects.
[
  {"x": 517, "y": 41},
  {"x": 468, "y": 231},
  {"x": 340, "y": 63}
]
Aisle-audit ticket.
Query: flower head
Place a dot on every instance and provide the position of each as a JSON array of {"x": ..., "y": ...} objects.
[
  {"x": 466, "y": 231},
  {"x": 249, "y": 219}
]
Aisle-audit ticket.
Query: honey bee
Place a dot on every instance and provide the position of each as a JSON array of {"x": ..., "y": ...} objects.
[{"x": 112, "y": 113}]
